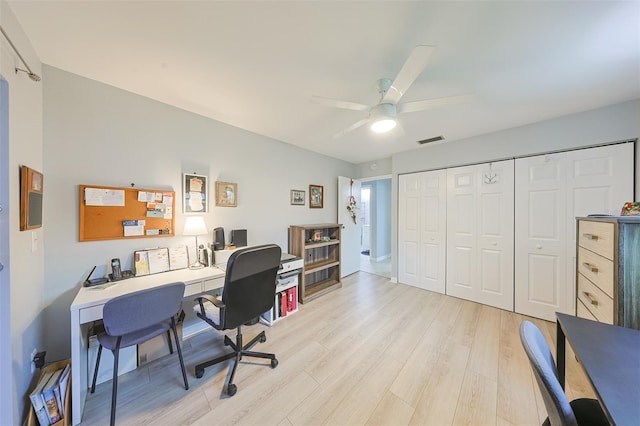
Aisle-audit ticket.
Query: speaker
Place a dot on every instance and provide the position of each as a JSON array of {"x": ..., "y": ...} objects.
[
  {"x": 218, "y": 239},
  {"x": 238, "y": 237}
]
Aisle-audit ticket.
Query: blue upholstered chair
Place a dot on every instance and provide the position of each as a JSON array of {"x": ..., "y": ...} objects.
[
  {"x": 249, "y": 291},
  {"x": 135, "y": 318},
  {"x": 560, "y": 411}
]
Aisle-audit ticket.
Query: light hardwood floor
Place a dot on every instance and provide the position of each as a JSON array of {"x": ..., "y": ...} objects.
[{"x": 372, "y": 352}]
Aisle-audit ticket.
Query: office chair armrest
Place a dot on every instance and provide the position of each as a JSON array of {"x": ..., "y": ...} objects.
[{"x": 217, "y": 302}]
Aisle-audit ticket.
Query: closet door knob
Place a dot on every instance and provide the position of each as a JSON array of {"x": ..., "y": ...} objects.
[
  {"x": 538, "y": 246},
  {"x": 1, "y": 266}
]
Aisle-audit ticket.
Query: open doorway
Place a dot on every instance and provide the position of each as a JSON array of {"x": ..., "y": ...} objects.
[{"x": 375, "y": 230}]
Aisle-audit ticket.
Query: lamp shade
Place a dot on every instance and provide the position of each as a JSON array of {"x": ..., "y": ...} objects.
[{"x": 194, "y": 225}]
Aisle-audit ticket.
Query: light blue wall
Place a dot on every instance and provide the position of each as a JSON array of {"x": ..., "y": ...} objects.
[{"x": 97, "y": 134}]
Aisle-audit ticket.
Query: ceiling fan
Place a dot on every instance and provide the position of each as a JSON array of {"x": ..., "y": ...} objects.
[{"x": 382, "y": 117}]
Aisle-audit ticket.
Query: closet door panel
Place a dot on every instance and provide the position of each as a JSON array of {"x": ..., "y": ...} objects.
[
  {"x": 408, "y": 229},
  {"x": 599, "y": 181},
  {"x": 433, "y": 190},
  {"x": 540, "y": 234},
  {"x": 462, "y": 251},
  {"x": 495, "y": 234}
]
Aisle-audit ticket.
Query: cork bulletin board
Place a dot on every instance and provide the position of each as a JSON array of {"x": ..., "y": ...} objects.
[{"x": 112, "y": 213}]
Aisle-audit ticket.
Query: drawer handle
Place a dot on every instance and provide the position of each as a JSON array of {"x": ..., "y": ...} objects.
[
  {"x": 590, "y": 237},
  {"x": 590, "y": 267},
  {"x": 592, "y": 299}
]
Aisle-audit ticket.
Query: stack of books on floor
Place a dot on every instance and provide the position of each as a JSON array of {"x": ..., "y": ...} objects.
[{"x": 50, "y": 395}]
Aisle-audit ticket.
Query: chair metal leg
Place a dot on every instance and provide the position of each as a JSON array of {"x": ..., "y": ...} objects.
[
  {"x": 95, "y": 371},
  {"x": 169, "y": 336},
  {"x": 114, "y": 390},
  {"x": 175, "y": 335}
]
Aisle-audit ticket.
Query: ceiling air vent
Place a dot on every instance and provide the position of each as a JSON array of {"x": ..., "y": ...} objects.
[{"x": 434, "y": 139}]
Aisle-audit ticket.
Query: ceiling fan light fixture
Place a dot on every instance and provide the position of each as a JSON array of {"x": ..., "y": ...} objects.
[
  {"x": 383, "y": 118},
  {"x": 383, "y": 125}
]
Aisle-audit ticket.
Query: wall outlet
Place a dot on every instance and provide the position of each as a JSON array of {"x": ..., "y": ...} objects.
[{"x": 32, "y": 360}]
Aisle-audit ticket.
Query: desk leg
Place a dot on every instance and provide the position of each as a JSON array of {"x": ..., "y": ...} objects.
[
  {"x": 560, "y": 353},
  {"x": 79, "y": 348}
]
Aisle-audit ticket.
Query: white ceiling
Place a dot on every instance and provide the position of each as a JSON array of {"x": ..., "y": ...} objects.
[{"x": 255, "y": 65}]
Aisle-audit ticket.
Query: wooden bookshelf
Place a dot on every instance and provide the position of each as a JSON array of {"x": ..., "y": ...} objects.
[{"x": 319, "y": 246}]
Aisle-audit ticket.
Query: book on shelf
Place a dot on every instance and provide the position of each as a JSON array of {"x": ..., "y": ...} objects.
[
  {"x": 49, "y": 397},
  {"x": 37, "y": 402},
  {"x": 283, "y": 304},
  {"x": 62, "y": 387},
  {"x": 292, "y": 299}
]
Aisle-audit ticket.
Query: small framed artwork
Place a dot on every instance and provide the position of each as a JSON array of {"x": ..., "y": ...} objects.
[
  {"x": 194, "y": 188},
  {"x": 226, "y": 194},
  {"x": 316, "y": 196},
  {"x": 297, "y": 197},
  {"x": 31, "y": 189}
]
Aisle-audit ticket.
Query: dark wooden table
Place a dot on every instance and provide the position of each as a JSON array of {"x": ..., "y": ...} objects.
[{"x": 610, "y": 357}]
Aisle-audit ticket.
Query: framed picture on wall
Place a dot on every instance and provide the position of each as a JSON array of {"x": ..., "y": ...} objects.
[
  {"x": 226, "y": 194},
  {"x": 194, "y": 189},
  {"x": 297, "y": 197},
  {"x": 31, "y": 190},
  {"x": 316, "y": 196}
]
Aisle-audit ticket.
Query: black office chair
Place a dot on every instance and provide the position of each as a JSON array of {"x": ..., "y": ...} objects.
[
  {"x": 135, "y": 318},
  {"x": 249, "y": 291},
  {"x": 583, "y": 411}
]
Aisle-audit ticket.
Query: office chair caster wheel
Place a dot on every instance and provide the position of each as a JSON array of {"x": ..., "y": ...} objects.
[
  {"x": 263, "y": 339},
  {"x": 232, "y": 389},
  {"x": 274, "y": 363},
  {"x": 199, "y": 373}
]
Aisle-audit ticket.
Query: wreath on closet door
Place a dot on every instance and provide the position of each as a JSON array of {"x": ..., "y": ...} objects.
[{"x": 351, "y": 204}]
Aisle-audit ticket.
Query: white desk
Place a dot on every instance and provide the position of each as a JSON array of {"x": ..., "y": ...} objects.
[{"x": 87, "y": 307}]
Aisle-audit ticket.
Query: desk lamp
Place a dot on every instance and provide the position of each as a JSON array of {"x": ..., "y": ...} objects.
[{"x": 194, "y": 225}]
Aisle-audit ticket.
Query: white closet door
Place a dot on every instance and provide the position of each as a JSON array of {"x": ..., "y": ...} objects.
[
  {"x": 599, "y": 181},
  {"x": 422, "y": 229},
  {"x": 433, "y": 230},
  {"x": 551, "y": 191},
  {"x": 408, "y": 228},
  {"x": 540, "y": 235},
  {"x": 480, "y": 233},
  {"x": 461, "y": 232},
  {"x": 495, "y": 234}
]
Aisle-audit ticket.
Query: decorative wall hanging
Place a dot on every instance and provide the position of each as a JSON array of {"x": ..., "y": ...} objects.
[
  {"x": 226, "y": 194},
  {"x": 31, "y": 186},
  {"x": 194, "y": 189},
  {"x": 297, "y": 197},
  {"x": 316, "y": 196},
  {"x": 351, "y": 204}
]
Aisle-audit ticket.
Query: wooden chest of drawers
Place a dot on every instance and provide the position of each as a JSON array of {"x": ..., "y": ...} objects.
[{"x": 608, "y": 269}]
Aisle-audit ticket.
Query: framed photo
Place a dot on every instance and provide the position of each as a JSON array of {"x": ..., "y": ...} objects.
[
  {"x": 297, "y": 197},
  {"x": 226, "y": 194},
  {"x": 31, "y": 190},
  {"x": 194, "y": 188},
  {"x": 316, "y": 196}
]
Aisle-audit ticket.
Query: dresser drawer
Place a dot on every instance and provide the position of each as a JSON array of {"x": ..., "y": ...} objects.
[
  {"x": 597, "y": 237},
  {"x": 600, "y": 305},
  {"x": 597, "y": 269},
  {"x": 583, "y": 312}
]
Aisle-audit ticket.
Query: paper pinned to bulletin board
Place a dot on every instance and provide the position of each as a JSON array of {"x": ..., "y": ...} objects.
[{"x": 110, "y": 213}]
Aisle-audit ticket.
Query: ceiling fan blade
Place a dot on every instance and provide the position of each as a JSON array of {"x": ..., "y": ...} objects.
[
  {"x": 336, "y": 103},
  {"x": 351, "y": 128},
  {"x": 411, "y": 69},
  {"x": 433, "y": 103}
]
